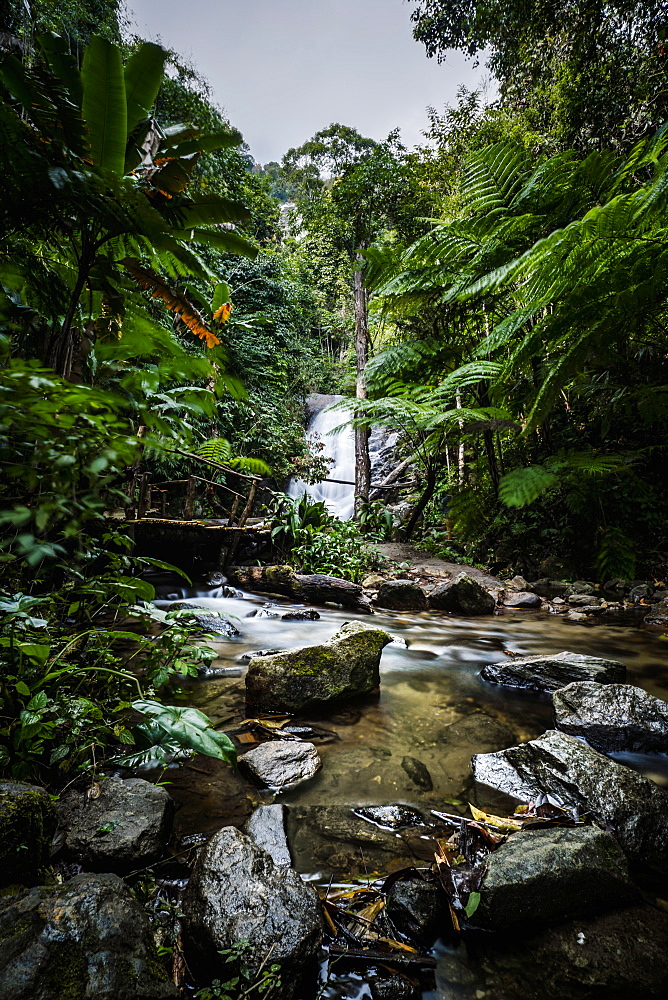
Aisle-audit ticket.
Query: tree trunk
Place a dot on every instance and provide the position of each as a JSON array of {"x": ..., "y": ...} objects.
[
  {"x": 362, "y": 463},
  {"x": 422, "y": 503}
]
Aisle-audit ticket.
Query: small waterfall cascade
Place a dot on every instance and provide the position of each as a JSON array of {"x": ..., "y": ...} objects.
[{"x": 338, "y": 497}]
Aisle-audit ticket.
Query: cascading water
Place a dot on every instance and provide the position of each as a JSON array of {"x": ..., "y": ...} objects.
[{"x": 337, "y": 496}]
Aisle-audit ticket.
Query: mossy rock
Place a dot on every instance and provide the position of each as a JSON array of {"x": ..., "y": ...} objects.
[
  {"x": 27, "y": 825},
  {"x": 299, "y": 680}
]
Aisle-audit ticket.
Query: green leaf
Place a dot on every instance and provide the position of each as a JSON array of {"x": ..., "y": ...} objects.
[
  {"x": 208, "y": 143},
  {"x": 222, "y": 293},
  {"x": 226, "y": 240},
  {"x": 209, "y": 210},
  {"x": 522, "y": 486},
  {"x": 104, "y": 104},
  {"x": 472, "y": 904},
  {"x": 23, "y": 689},
  {"x": 34, "y": 652},
  {"x": 143, "y": 76},
  {"x": 189, "y": 728},
  {"x": 62, "y": 64}
]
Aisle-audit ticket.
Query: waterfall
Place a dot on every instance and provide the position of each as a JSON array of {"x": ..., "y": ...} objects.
[{"x": 338, "y": 498}]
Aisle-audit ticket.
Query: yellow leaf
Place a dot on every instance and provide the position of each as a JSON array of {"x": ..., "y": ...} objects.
[
  {"x": 222, "y": 314},
  {"x": 398, "y": 945},
  {"x": 174, "y": 301},
  {"x": 371, "y": 911},
  {"x": 504, "y": 824}
]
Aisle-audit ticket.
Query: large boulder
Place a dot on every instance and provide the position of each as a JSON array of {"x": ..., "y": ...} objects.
[
  {"x": 548, "y": 673},
  {"x": 612, "y": 716},
  {"x": 86, "y": 938},
  {"x": 312, "y": 588},
  {"x": 116, "y": 825},
  {"x": 298, "y": 680},
  {"x": 616, "y": 956},
  {"x": 631, "y": 806},
  {"x": 462, "y": 596},
  {"x": 27, "y": 825},
  {"x": 280, "y": 763},
  {"x": 266, "y": 828},
  {"x": 237, "y": 892},
  {"x": 549, "y": 874},
  {"x": 402, "y": 595}
]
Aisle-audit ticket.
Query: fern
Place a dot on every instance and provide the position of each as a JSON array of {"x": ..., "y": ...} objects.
[
  {"x": 522, "y": 486},
  {"x": 216, "y": 450}
]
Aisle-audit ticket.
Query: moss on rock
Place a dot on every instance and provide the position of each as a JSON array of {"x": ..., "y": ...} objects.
[{"x": 27, "y": 825}]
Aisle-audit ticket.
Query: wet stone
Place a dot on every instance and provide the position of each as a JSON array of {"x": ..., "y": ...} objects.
[
  {"x": 418, "y": 909},
  {"x": 268, "y": 611},
  {"x": 580, "y": 600},
  {"x": 612, "y": 716},
  {"x": 247, "y": 657},
  {"x": 305, "y": 615},
  {"x": 266, "y": 828},
  {"x": 618, "y": 799},
  {"x": 523, "y": 599},
  {"x": 402, "y": 595},
  {"x": 390, "y": 817},
  {"x": 657, "y": 615},
  {"x": 550, "y": 672},
  {"x": 126, "y": 824},
  {"x": 279, "y": 763},
  {"x": 417, "y": 772},
  {"x": 394, "y": 988},
  {"x": 553, "y": 873},
  {"x": 27, "y": 825},
  {"x": 462, "y": 596},
  {"x": 204, "y": 620}
]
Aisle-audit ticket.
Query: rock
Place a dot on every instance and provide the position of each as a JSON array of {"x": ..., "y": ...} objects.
[
  {"x": 402, "y": 595},
  {"x": 576, "y": 616},
  {"x": 550, "y": 874},
  {"x": 204, "y": 620},
  {"x": 612, "y": 716},
  {"x": 126, "y": 825},
  {"x": 373, "y": 581},
  {"x": 552, "y": 671},
  {"x": 390, "y": 817},
  {"x": 216, "y": 579},
  {"x": 418, "y": 773},
  {"x": 615, "y": 586},
  {"x": 27, "y": 825},
  {"x": 236, "y": 892},
  {"x": 418, "y": 909},
  {"x": 518, "y": 583},
  {"x": 247, "y": 657},
  {"x": 548, "y": 588},
  {"x": 86, "y": 938},
  {"x": 279, "y": 763},
  {"x": 394, "y": 988},
  {"x": 619, "y": 799},
  {"x": 463, "y": 596},
  {"x": 297, "y": 680},
  {"x": 582, "y": 600},
  {"x": 267, "y": 611},
  {"x": 522, "y": 599},
  {"x": 643, "y": 592},
  {"x": 618, "y": 956},
  {"x": 303, "y": 615},
  {"x": 311, "y": 589},
  {"x": 580, "y": 587},
  {"x": 266, "y": 828},
  {"x": 657, "y": 614}
]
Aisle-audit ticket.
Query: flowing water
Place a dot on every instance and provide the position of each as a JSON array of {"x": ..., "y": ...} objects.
[{"x": 339, "y": 446}]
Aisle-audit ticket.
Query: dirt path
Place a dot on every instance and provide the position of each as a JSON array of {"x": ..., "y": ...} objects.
[{"x": 427, "y": 568}]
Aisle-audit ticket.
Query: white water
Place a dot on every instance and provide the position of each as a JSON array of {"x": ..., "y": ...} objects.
[{"x": 338, "y": 498}]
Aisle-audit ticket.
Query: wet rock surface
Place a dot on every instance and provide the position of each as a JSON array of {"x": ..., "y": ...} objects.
[
  {"x": 27, "y": 825},
  {"x": 279, "y": 763},
  {"x": 418, "y": 909},
  {"x": 462, "y": 596},
  {"x": 550, "y": 874},
  {"x": 298, "y": 680},
  {"x": 116, "y": 825},
  {"x": 612, "y": 716},
  {"x": 522, "y": 599},
  {"x": 390, "y": 817},
  {"x": 617, "y": 956},
  {"x": 266, "y": 828},
  {"x": 417, "y": 772},
  {"x": 303, "y": 615},
  {"x": 236, "y": 892},
  {"x": 402, "y": 595},
  {"x": 204, "y": 620},
  {"x": 87, "y": 938},
  {"x": 658, "y": 614},
  {"x": 619, "y": 799},
  {"x": 551, "y": 672}
]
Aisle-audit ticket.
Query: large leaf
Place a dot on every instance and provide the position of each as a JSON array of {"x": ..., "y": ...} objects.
[
  {"x": 175, "y": 301},
  {"x": 207, "y": 143},
  {"x": 188, "y": 728},
  {"x": 104, "y": 104},
  {"x": 143, "y": 76},
  {"x": 211, "y": 209},
  {"x": 225, "y": 239},
  {"x": 522, "y": 486},
  {"x": 62, "y": 64}
]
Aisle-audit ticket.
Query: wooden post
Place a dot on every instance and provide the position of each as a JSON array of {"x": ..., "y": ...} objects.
[
  {"x": 144, "y": 495},
  {"x": 248, "y": 509},
  {"x": 233, "y": 512},
  {"x": 190, "y": 499}
]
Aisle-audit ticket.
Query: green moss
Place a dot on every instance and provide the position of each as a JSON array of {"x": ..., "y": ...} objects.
[
  {"x": 27, "y": 824},
  {"x": 313, "y": 661}
]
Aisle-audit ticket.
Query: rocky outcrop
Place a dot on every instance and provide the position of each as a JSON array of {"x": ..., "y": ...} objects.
[
  {"x": 545, "y": 875},
  {"x": 27, "y": 825},
  {"x": 549, "y": 673},
  {"x": 298, "y": 680},
  {"x": 86, "y": 938},
  {"x": 236, "y": 892},
  {"x": 309, "y": 588},
  {"x": 203, "y": 620},
  {"x": 401, "y": 595},
  {"x": 631, "y": 806},
  {"x": 266, "y": 828},
  {"x": 462, "y": 596},
  {"x": 280, "y": 763},
  {"x": 116, "y": 825},
  {"x": 612, "y": 716}
]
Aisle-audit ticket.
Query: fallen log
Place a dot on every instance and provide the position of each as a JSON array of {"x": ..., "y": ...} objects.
[{"x": 312, "y": 588}]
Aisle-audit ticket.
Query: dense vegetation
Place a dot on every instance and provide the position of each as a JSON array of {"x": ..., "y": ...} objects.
[{"x": 498, "y": 296}]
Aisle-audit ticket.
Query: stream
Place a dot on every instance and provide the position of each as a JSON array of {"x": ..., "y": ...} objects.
[{"x": 432, "y": 706}]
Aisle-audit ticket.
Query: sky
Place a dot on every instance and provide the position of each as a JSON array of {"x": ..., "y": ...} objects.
[{"x": 283, "y": 69}]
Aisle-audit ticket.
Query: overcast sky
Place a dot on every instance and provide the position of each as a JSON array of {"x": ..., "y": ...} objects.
[{"x": 283, "y": 69}]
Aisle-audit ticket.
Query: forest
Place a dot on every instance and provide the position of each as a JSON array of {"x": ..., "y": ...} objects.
[{"x": 173, "y": 314}]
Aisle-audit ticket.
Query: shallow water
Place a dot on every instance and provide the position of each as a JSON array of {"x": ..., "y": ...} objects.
[{"x": 432, "y": 706}]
